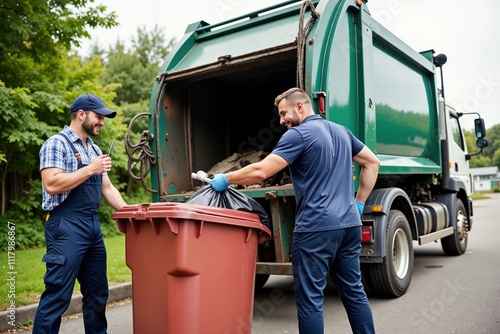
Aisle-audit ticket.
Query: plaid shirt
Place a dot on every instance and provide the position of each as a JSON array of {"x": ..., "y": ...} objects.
[{"x": 57, "y": 153}]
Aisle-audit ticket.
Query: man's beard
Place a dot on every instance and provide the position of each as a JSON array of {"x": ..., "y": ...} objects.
[
  {"x": 294, "y": 120},
  {"x": 89, "y": 128}
]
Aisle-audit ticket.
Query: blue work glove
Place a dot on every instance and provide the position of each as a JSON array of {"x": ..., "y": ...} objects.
[
  {"x": 219, "y": 182},
  {"x": 360, "y": 206}
]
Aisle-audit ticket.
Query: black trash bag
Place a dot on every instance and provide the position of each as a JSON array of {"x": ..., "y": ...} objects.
[{"x": 229, "y": 199}]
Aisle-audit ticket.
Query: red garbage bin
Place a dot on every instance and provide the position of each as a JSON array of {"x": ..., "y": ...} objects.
[{"x": 193, "y": 267}]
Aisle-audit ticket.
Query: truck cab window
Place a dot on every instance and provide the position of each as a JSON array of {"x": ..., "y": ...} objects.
[{"x": 457, "y": 133}]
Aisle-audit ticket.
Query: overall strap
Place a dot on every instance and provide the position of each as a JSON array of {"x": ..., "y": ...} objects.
[{"x": 75, "y": 152}]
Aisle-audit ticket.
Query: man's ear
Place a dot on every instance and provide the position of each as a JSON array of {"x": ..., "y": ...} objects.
[
  {"x": 81, "y": 115},
  {"x": 300, "y": 107}
]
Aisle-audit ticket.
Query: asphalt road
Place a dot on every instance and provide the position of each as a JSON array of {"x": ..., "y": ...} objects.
[{"x": 459, "y": 295}]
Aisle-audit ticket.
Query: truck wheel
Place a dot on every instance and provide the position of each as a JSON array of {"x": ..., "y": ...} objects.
[
  {"x": 456, "y": 244},
  {"x": 392, "y": 277},
  {"x": 260, "y": 280}
]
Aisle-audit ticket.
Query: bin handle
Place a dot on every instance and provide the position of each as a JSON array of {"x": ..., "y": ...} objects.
[
  {"x": 249, "y": 234},
  {"x": 173, "y": 224}
]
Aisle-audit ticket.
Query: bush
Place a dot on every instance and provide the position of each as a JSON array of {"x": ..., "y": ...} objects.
[
  {"x": 496, "y": 190},
  {"x": 29, "y": 231},
  {"x": 28, "y": 217},
  {"x": 108, "y": 225}
]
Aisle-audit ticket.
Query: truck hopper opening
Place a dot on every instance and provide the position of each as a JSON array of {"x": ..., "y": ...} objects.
[{"x": 217, "y": 110}]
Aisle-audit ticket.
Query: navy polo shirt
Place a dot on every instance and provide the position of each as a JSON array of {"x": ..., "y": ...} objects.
[{"x": 319, "y": 154}]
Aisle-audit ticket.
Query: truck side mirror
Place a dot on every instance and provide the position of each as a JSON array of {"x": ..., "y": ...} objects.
[
  {"x": 481, "y": 142},
  {"x": 479, "y": 128}
]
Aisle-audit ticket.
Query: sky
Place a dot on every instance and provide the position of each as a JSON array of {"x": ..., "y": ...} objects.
[{"x": 469, "y": 35}]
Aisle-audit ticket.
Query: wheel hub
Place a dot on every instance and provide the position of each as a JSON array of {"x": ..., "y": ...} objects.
[
  {"x": 400, "y": 254},
  {"x": 462, "y": 225}
]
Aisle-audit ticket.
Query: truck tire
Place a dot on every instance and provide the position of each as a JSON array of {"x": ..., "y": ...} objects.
[
  {"x": 392, "y": 277},
  {"x": 456, "y": 244}
]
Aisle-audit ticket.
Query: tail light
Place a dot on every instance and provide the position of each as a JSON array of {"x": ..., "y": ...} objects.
[{"x": 366, "y": 234}]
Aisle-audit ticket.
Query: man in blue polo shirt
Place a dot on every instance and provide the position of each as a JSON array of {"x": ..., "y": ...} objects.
[
  {"x": 74, "y": 176},
  {"x": 327, "y": 233}
]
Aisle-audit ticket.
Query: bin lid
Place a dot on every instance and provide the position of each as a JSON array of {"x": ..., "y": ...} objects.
[
  {"x": 136, "y": 211},
  {"x": 207, "y": 213},
  {"x": 191, "y": 211}
]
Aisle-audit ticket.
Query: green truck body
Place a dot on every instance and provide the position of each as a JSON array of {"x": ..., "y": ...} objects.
[{"x": 214, "y": 97}]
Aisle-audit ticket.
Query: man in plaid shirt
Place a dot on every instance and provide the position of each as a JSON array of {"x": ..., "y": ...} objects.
[{"x": 74, "y": 176}]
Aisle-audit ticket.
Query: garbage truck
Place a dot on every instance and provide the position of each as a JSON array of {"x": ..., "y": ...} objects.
[{"x": 213, "y": 103}]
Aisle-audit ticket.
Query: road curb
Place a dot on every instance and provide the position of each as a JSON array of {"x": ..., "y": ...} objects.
[{"x": 23, "y": 314}]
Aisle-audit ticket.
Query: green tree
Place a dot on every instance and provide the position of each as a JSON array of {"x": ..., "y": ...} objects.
[
  {"x": 40, "y": 31},
  {"x": 493, "y": 136},
  {"x": 480, "y": 161},
  {"x": 496, "y": 158},
  {"x": 151, "y": 47},
  {"x": 135, "y": 68}
]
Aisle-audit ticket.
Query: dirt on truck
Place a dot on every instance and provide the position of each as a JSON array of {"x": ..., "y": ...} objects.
[{"x": 212, "y": 110}]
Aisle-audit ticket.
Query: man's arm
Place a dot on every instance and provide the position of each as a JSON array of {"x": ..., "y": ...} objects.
[
  {"x": 56, "y": 181},
  {"x": 368, "y": 175},
  {"x": 258, "y": 171},
  {"x": 111, "y": 194}
]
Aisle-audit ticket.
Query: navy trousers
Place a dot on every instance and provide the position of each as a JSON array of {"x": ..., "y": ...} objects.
[
  {"x": 75, "y": 250},
  {"x": 317, "y": 255}
]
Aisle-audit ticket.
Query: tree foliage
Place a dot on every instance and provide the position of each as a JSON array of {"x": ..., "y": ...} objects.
[
  {"x": 490, "y": 155},
  {"x": 36, "y": 31},
  {"x": 493, "y": 136},
  {"x": 135, "y": 68}
]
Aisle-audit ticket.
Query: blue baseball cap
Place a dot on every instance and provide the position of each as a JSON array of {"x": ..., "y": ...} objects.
[{"x": 94, "y": 103}]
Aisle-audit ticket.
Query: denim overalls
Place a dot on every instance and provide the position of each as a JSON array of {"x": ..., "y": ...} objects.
[{"x": 75, "y": 250}]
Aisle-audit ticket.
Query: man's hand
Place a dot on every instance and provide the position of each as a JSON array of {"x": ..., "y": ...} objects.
[
  {"x": 219, "y": 182},
  {"x": 99, "y": 165}
]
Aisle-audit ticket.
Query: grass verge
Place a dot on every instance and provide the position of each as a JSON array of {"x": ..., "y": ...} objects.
[
  {"x": 476, "y": 196},
  {"x": 27, "y": 272}
]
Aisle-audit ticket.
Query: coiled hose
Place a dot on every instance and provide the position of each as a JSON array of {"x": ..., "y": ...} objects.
[{"x": 145, "y": 157}]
